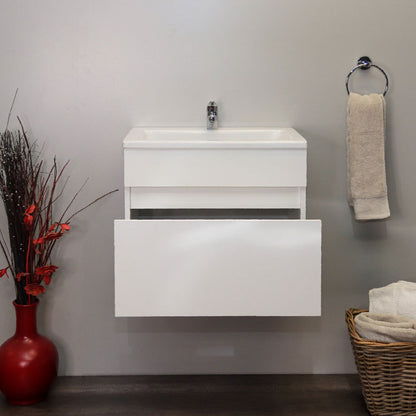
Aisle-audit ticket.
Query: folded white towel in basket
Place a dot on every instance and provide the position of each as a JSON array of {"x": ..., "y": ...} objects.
[
  {"x": 366, "y": 175},
  {"x": 385, "y": 328},
  {"x": 397, "y": 298}
]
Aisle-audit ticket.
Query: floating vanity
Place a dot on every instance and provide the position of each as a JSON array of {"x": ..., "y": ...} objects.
[{"x": 215, "y": 225}]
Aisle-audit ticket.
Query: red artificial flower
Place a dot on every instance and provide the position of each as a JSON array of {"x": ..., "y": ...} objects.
[
  {"x": 28, "y": 218},
  {"x": 47, "y": 237},
  {"x": 4, "y": 272},
  {"x": 34, "y": 289},
  {"x": 45, "y": 272},
  {"x": 30, "y": 210},
  {"x": 65, "y": 227},
  {"x": 52, "y": 236}
]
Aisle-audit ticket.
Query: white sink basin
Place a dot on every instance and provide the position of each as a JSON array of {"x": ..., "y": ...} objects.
[
  {"x": 225, "y": 161},
  {"x": 224, "y": 137}
]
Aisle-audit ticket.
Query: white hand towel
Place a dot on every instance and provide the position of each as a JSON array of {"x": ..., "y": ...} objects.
[
  {"x": 397, "y": 298},
  {"x": 366, "y": 177},
  {"x": 385, "y": 328}
]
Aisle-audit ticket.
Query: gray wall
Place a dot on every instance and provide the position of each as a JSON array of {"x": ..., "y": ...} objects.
[{"x": 90, "y": 70}]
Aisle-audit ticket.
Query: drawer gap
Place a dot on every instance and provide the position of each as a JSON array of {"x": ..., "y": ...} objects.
[{"x": 216, "y": 213}]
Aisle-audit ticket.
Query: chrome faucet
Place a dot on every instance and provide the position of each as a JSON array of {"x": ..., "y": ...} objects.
[{"x": 212, "y": 111}]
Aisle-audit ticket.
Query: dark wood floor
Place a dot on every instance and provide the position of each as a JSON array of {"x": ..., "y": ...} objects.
[{"x": 268, "y": 395}]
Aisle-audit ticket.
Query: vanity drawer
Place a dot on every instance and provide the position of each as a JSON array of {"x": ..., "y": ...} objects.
[
  {"x": 217, "y": 267},
  {"x": 266, "y": 167}
]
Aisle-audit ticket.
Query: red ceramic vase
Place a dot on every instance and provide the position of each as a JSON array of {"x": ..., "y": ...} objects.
[{"x": 28, "y": 361}]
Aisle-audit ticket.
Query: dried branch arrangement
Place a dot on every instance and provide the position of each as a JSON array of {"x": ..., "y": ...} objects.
[{"x": 30, "y": 190}]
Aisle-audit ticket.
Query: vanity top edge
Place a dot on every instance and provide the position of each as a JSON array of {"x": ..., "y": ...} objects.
[{"x": 224, "y": 137}]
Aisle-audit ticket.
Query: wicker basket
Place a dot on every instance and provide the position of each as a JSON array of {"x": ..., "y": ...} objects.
[{"x": 387, "y": 372}]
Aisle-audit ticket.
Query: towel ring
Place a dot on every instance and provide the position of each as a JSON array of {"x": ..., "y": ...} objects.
[{"x": 365, "y": 63}]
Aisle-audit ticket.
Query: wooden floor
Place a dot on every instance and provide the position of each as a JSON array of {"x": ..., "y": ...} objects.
[{"x": 268, "y": 395}]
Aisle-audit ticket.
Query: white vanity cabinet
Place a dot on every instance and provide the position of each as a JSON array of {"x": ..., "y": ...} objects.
[{"x": 206, "y": 229}]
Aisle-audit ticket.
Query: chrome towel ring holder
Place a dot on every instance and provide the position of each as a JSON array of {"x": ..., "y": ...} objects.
[{"x": 365, "y": 63}]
